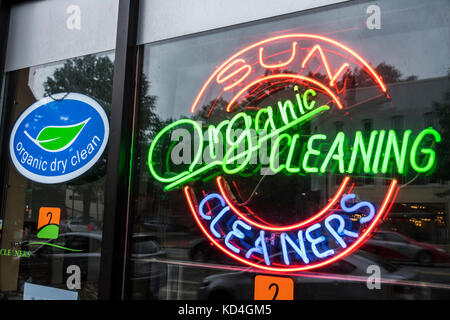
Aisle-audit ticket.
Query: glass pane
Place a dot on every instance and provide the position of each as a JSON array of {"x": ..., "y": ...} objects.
[
  {"x": 286, "y": 144},
  {"x": 54, "y": 228}
]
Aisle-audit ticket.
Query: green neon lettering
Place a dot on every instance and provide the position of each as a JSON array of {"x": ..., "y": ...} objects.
[
  {"x": 312, "y": 152},
  {"x": 362, "y": 152},
  {"x": 338, "y": 144},
  {"x": 241, "y": 145},
  {"x": 399, "y": 157},
  {"x": 290, "y": 169},
  {"x": 426, "y": 151},
  {"x": 246, "y": 134},
  {"x": 283, "y": 110},
  {"x": 275, "y": 152},
  {"x": 366, "y": 155},
  {"x": 188, "y": 176},
  {"x": 151, "y": 150},
  {"x": 299, "y": 101},
  {"x": 309, "y": 106},
  {"x": 269, "y": 120},
  {"x": 376, "y": 160},
  {"x": 277, "y": 132},
  {"x": 213, "y": 137}
]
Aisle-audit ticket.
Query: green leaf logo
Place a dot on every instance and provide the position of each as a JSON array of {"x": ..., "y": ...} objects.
[
  {"x": 49, "y": 231},
  {"x": 58, "y": 138}
]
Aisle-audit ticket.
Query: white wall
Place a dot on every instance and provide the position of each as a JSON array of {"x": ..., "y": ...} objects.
[
  {"x": 163, "y": 19},
  {"x": 47, "y": 31},
  {"x": 52, "y": 30}
]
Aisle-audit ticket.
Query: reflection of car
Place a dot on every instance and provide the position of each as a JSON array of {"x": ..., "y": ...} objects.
[
  {"x": 154, "y": 226},
  {"x": 144, "y": 274},
  {"x": 202, "y": 250},
  {"x": 48, "y": 263},
  {"x": 77, "y": 225},
  {"x": 397, "y": 247},
  {"x": 333, "y": 284}
]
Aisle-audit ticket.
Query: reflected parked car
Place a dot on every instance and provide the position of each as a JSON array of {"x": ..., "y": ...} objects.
[
  {"x": 202, "y": 250},
  {"x": 77, "y": 225},
  {"x": 395, "y": 246},
  {"x": 334, "y": 283},
  {"x": 147, "y": 277},
  {"x": 48, "y": 262}
]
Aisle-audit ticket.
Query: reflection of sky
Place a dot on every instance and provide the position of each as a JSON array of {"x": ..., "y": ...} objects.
[{"x": 414, "y": 37}]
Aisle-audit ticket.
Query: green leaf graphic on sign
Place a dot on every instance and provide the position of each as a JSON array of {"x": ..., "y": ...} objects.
[
  {"x": 58, "y": 138},
  {"x": 49, "y": 231}
]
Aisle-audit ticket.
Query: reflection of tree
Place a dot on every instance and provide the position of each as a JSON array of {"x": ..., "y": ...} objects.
[
  {"x": 213, "y": 112},
  {"x": 149, "y": 123},
  {"x": 388, "y": 73},
  {"x": 93, "y": 76},
  {"x": 89, "y": 75}
]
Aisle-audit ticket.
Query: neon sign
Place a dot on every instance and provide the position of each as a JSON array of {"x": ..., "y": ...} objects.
[{"x": 258, "y": 120}]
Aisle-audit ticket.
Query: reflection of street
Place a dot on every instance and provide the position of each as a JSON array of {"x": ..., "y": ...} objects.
[
  {"x": 190, "y": 259},
  {"x": 185, "y": 280},
  {"x": 433, "y": 274},
  {"x": 186, "y": 274}
]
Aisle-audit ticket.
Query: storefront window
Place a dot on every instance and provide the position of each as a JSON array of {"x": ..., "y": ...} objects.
[
  {"x": 52, "y": 220},
  {"x": 296, "y": 146}
]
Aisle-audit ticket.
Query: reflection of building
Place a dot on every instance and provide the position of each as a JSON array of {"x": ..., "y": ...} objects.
[{"x": 419, "y": 210}]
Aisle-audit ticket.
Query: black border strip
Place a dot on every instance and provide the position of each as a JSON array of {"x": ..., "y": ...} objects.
[
  {"x": 7, "y": 100},
  {"x": 115, "y": 228}
]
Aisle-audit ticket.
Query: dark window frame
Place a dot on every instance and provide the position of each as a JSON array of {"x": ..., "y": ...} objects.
[{"x": 114, "y": 247}]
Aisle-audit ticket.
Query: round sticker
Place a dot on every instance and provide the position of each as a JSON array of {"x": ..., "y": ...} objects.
[{"x": 59, "y": 138}]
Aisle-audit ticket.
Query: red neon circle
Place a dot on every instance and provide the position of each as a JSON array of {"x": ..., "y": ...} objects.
[
  {"x": 390, "y": 197},
  {"x": 371, "y": 71},
  {"x": 218, "y": 75},
  {"x": 278, "y": 65},
  {"x": 303, "y": 223},
  {"x": 288, "y": 76}
]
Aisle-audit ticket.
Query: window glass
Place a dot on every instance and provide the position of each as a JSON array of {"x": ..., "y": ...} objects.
[
  {"x": 378, "y": 236},
  {"x": 285, "y": 144},
  {"x": 53, "y": 220},
  {"x": 393, "y": 237},
  {"x": 340, "y": 267}
]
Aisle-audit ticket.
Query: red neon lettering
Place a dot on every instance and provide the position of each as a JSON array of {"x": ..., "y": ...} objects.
[
  {"x": 366, "y": 65},
  {"x": 324, "y": 60},
  {"x": 281, "y": 64},
  {"x": 345, "y": 65},
  {"x": 325, "y": 64}
]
